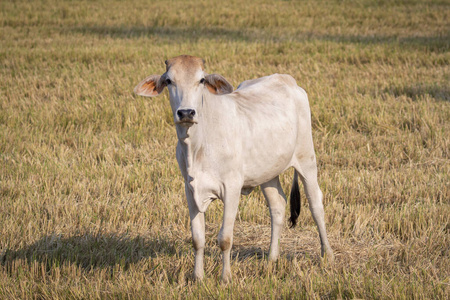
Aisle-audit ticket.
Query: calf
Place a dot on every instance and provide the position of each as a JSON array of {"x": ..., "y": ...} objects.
[{"x": 230, "y": 142}]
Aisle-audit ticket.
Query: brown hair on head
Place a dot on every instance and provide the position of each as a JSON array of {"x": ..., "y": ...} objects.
[{"x": 185, "y": 60}]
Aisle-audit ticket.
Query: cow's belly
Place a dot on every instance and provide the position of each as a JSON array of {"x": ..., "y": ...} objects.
[
  {"x": 260, "y": 173},
  {"x": 267, "y": 160}
]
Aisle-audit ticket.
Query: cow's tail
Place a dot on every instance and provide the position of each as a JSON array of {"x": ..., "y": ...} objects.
[{"x": 295, "y": 201}]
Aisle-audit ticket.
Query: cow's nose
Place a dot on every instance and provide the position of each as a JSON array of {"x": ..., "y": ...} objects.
[{"x": 186, "y": 114}]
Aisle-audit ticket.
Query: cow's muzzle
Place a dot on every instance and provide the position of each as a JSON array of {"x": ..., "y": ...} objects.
[{"x": 186, "y": 117}]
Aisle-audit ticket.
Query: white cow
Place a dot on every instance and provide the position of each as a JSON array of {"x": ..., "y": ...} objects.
[{"x": 230, "y": 142}]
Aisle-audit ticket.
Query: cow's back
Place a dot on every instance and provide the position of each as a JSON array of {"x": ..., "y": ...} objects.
[{"x": 270, "y": 111}]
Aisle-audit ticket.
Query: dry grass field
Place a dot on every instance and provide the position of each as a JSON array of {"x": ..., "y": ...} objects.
[{"x": 91, "y": 199}]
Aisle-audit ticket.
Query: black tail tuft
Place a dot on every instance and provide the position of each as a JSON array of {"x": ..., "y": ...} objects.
[{"x": 295, "y": 201}]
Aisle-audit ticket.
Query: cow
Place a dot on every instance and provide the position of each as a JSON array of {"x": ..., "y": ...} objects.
[{"x": 230, "y": 142}]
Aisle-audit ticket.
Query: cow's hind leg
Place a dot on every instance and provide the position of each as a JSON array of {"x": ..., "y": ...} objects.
[
  {"x": 276, "y": 200},
  {"x": 308, "y": 175}
]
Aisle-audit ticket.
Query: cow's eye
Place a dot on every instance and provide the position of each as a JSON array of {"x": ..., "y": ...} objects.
[
  {"x": 202, "y": 80},
  {"x": 168, "y": 81}
]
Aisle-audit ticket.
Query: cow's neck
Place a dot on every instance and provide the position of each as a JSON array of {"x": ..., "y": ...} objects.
[
  {"x": 193, "y": 142},
  {"x": 195, "y": 145},
  {"x": 198, "y": 140},
  {"x": 202, "y": 152}
]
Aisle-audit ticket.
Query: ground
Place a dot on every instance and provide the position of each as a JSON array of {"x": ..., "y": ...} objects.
[{"x": 91, "y": 199}]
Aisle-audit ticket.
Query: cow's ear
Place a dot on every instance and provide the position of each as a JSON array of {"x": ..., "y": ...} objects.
[
  {"x": 151, "y": 86},
  {"x": 218, "y": 85}
]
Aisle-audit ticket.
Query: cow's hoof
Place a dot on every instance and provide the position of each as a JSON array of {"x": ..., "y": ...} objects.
[
  {"x": 226, "y": 278},
  {"x": 328, "y": 257},
  {"x": 197, "y": 277}
]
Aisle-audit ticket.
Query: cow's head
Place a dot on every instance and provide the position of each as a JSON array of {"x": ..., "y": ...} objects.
[{"x": 187, "y": 82}]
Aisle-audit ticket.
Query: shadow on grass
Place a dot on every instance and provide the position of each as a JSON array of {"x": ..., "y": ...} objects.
[
  {"x": 91, "y": 250},
  {"x": 430, "y": 43},
  {"x": 419, "y": 90},
  {"x": 414, "y": 91},
  {"x": 175, "y": 34},
  {"x": 243, "y": 254},
  {"x": 438, "y": 43}
]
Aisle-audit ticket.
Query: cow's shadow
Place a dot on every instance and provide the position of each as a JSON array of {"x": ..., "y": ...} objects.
[
  {"x": 90, "y": 251},
  {"x": 107, "y": 251},
  {"x": 241, "y": 253}
]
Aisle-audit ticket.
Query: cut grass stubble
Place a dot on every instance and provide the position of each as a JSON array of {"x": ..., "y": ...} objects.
[{"x": 91, "y": 200}]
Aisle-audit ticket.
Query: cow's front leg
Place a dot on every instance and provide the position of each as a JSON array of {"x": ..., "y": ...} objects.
[
  {"x": 198, "y": 234},
  {"x": 231, "y": 203}
]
